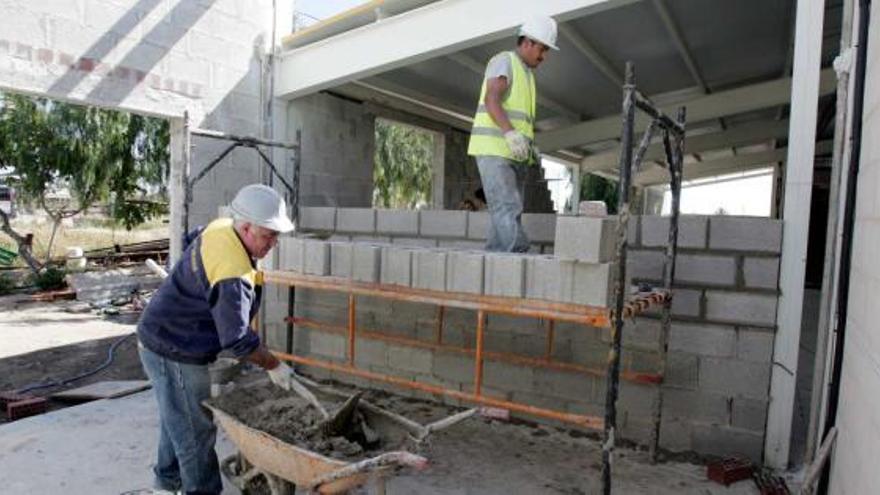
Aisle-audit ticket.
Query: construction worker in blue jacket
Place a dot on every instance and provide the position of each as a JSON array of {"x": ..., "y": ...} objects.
[
  {"x": 503, "y": 131},
  {"x": 204, "y": 306}
]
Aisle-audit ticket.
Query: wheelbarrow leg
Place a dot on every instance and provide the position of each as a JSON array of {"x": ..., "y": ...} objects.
[{"x": 279, "y": 486}]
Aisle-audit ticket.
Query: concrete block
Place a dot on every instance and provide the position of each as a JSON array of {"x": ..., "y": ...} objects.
[
  {"x": 739, "y": 307},
  {"x": 675, "y": 435},
  {"x": 632, "y": 231},
  {"x": 754, "y": 345},
  {"x": 749, "y": 414},
  {"x": 341, "y": 259},
  {"x": 745, "y": 233},
  {"x": 326, "y": 344},
  {"x": 478, "y": 225},
  {"x": 465, "y": 272},
  {"x": 591, "y": 284},
  {"x": 682, "y": 370},
  {"x": 370, "y": 352},
  {"x": 460, "y": 244},
  {"x": 443, "y": 223},
  {"x": 725, "y": 441},
  {"x": 761, "y": 273},
  {"x": 397, "y": 222},
  {"x": 356, "y": 220},
  {"x": 696, "y": 405},
  {"x": 396, "y": 266},
  {"x": 316, "y": 260},
  {"x": 317, "y": 218},
  {"x": 429, "y": 269},
  {"x": 705, "y": 270},
  {"x": 507, "y": 376},
  {"x": 645, "y": 265},
  {"x": 371, "y": 239},
  {"x": 634, "y": 398},
  {"x": 735, "y": 377},
  {"x": 453, "y": 367},
  {"x": 415, "y": 242},
  {"x": 685, "y": 302},
  {"x": 585, "y": 238},
  {"x": 692, "y": 231},
  {"x": 703, "y": 339},
  {"x": 545, "y": 279},
  {"x": 366, "y": 260},
  {"x": 410, "y": 359},
  {"x": 641, "y": 333},
  {"x": 292, "y": 254},
  {"x": 540, "y": 227},
  {"x": 504, "y": 275}
]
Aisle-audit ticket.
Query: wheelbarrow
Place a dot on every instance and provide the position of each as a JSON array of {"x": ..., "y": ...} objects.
[{"x": 287, "y": 466}]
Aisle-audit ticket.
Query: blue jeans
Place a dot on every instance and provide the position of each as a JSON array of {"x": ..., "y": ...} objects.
[
  {"x": 186, "y": 459},
  {"x": 504, "y": 186}
]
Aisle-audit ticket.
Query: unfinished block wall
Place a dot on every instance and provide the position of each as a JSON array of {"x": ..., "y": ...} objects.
[{"x": 721, "y": 340}]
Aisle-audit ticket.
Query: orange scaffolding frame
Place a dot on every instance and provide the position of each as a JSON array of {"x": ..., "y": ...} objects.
[{"x": 545, "y": 310}]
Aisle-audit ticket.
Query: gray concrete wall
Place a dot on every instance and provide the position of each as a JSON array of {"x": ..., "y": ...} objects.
[
  {"x": 338, "y": 146},
  {"x": 717, "y": 382},
  {"x": 858, "y": 440},
  {"x": 157, "y": 57}
]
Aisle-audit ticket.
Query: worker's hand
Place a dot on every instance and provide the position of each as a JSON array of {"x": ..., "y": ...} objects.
[
  {"x": 282, "y": 375},
  {"x": 518, "y": 144}
]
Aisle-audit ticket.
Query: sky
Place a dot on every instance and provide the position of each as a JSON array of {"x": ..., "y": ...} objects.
[{"x": 322, "y": 9}]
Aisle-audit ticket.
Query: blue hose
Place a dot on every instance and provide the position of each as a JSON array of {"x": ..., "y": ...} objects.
[{"x": 68, "y": 381}]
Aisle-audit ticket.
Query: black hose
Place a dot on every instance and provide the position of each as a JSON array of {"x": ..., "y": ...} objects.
[{"x": 68, "y": 381}]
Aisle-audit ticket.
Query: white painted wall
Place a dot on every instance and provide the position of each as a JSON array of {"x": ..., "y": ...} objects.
[{"x": 853, "y": 464}]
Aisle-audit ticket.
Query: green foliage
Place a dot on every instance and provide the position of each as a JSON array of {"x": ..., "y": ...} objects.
[
  {"x": 595, "y": 188},
  {"x": 49, "y": 279},
  {"x": 402, "y": 172},
  {"x": 97, "y": 155},
  {"x": 7, "y": 284}
]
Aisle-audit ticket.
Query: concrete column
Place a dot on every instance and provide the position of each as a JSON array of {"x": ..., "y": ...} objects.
[
  {"x": 796, "y": 215},
  {"x": 179, "y": 148}
]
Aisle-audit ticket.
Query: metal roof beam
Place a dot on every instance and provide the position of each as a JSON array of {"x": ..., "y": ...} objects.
[
  {"x": 706, "y": 107},
  {"x": 475, "y": 66},
  {"x": 736, "y": 136},
  {"x": 739, "y": 163},
  {"x": 589, "y": 51}
]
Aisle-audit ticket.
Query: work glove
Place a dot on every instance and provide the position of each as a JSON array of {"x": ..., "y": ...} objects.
[
  {"x": 519, "y": 145},
  {"x": 282, "y": 375}
]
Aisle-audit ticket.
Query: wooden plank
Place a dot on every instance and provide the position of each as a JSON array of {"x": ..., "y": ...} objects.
[{"x": 103, "y": 390}]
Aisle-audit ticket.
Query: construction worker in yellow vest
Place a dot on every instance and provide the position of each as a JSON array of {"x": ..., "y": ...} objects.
[{"x": 501, "y": 139}]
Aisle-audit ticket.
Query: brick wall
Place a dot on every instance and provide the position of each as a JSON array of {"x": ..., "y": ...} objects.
[{"x": 720, "y": 344}]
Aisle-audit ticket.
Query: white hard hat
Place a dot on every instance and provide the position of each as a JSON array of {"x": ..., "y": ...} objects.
[
  {"x": 541, "y": 29},
  {"x": 261, "y": 205}
]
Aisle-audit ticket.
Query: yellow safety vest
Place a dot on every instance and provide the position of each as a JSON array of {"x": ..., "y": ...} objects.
[{"x": 486, "y": 137}]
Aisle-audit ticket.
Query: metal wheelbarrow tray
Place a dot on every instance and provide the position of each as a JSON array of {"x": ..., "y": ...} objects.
[{"x": 319, "y": 473}]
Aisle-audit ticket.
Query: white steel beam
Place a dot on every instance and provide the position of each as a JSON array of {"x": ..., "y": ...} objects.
[
  {"x": 707, "y": 107},
  {"x": 434, "y": 30},
  {"x": 724, "y": 166},
  {"x": 796, "y": 215},
  {"x": 680, "y": 44},
  {"x": 736, "y": 136}
]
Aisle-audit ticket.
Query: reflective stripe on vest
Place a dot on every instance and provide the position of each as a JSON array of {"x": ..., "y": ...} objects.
[{"x": 519, "y": 105}]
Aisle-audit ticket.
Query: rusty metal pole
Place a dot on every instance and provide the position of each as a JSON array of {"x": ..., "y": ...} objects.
[
  {"x": 352, "y": 323},
  {"x": 613, "y": 375},
  {"x": 674, "y": 164},
  {"x": 478, "y": 355}
]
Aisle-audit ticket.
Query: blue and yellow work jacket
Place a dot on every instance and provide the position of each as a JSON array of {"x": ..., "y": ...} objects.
[{"x": 207, "y": 302}]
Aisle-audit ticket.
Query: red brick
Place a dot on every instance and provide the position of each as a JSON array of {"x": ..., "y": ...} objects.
[
  {"x": 45, "y": 55},
  {"x": 25, "y": 408},
  {"x": 86, "y": 64}
]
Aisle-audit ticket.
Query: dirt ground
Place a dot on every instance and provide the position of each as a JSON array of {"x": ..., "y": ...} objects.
[{"x": 51, "y": 342}]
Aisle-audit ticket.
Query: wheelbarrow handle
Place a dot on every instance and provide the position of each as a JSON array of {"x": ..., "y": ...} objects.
[{"x": 396, "y": 458}]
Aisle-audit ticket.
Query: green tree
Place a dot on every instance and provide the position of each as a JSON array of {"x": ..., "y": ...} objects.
[
  {"x": 402, "y": 170},
  {"x": 595, "y": 188},
  {"x": 96, "y": 155}
]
